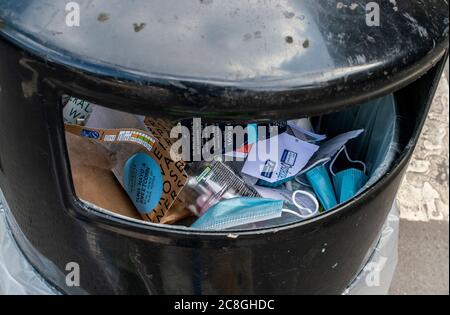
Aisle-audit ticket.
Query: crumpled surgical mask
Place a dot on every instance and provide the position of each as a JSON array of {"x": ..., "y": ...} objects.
[
  {"x": 321, "y": 183},
  {"x": 315, "y": 175},
  {"x": 349, "y": 181},
  {"x": 240, "y": 211}
]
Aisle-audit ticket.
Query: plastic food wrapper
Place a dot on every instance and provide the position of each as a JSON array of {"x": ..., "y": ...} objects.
[
  {"x": 303, "y": 123},
  {"x": 304, "y": 133},
  {"x": 107, "y": 118},
  {"x": 142, "y": 165},
  {"x": 211, "y": 182}
]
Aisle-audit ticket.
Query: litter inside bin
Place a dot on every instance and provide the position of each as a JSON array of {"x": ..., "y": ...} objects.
[
  {"x": 238, "y": 211},
  {"x": 211, "y": 182},
  {"x": 320, "y": 181},
  {"x": 142, "y": 165},
  {"x": 350, "y": 180},
  {"x": 125, "y": 163},
  {"x": 278, "y": 159}
]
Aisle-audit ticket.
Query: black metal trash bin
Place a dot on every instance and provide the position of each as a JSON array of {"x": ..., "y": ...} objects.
[{"x": 220, "y": 61}]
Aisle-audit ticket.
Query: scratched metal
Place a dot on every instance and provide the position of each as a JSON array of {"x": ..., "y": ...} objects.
[{"x": 236, "y": 58}]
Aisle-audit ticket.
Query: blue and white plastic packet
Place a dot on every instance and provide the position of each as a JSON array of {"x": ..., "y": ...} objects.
[
  {"x": 303, "y": 133},
  {"x": 276, "y": 160}
]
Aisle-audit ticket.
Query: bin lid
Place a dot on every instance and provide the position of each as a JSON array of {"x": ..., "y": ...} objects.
[{"x": 258, "y": 59}]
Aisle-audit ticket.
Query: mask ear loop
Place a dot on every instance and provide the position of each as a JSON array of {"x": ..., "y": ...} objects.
[
  {"x": 344, "y": 149},
  {"x": 300, "y": 207},
  {"x": 318, "y": 162}
]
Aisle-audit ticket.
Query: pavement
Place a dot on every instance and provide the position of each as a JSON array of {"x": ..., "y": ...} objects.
[
  {"x": 423, "y": 198},
  {"x": 446, "y": 71}
]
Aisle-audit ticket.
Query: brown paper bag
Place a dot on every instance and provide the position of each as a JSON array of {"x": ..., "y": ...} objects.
[{"x": 93, "y": 179}]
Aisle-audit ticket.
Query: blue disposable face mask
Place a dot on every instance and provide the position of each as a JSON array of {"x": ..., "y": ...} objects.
[
  {"x": 348, "y": 182},
  {"x": 317, "y": 177},
  {"x": 321, "y": 183},
  {"x": 238, "y": 211}
]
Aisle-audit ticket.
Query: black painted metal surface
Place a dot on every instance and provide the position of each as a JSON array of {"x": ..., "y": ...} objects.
[
  {"x": 235, "y": 58},
  {"x": 117, "y": 256}
]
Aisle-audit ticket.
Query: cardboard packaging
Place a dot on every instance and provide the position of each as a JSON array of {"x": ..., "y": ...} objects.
[
  {"x": 93, "y": 179},
  {"x": 111, "y": 148}
]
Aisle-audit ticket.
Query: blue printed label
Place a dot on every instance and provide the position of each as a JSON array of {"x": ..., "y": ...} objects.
[
  {"x": 289, "y": 157},
  {"x": 143, "y": 182},
  {"x": 90, "y": 134},
  {"x": 269, "y": 166}
]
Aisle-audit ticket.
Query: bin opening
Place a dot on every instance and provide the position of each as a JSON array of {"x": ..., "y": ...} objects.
[{"x": 226, "y": 176}]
